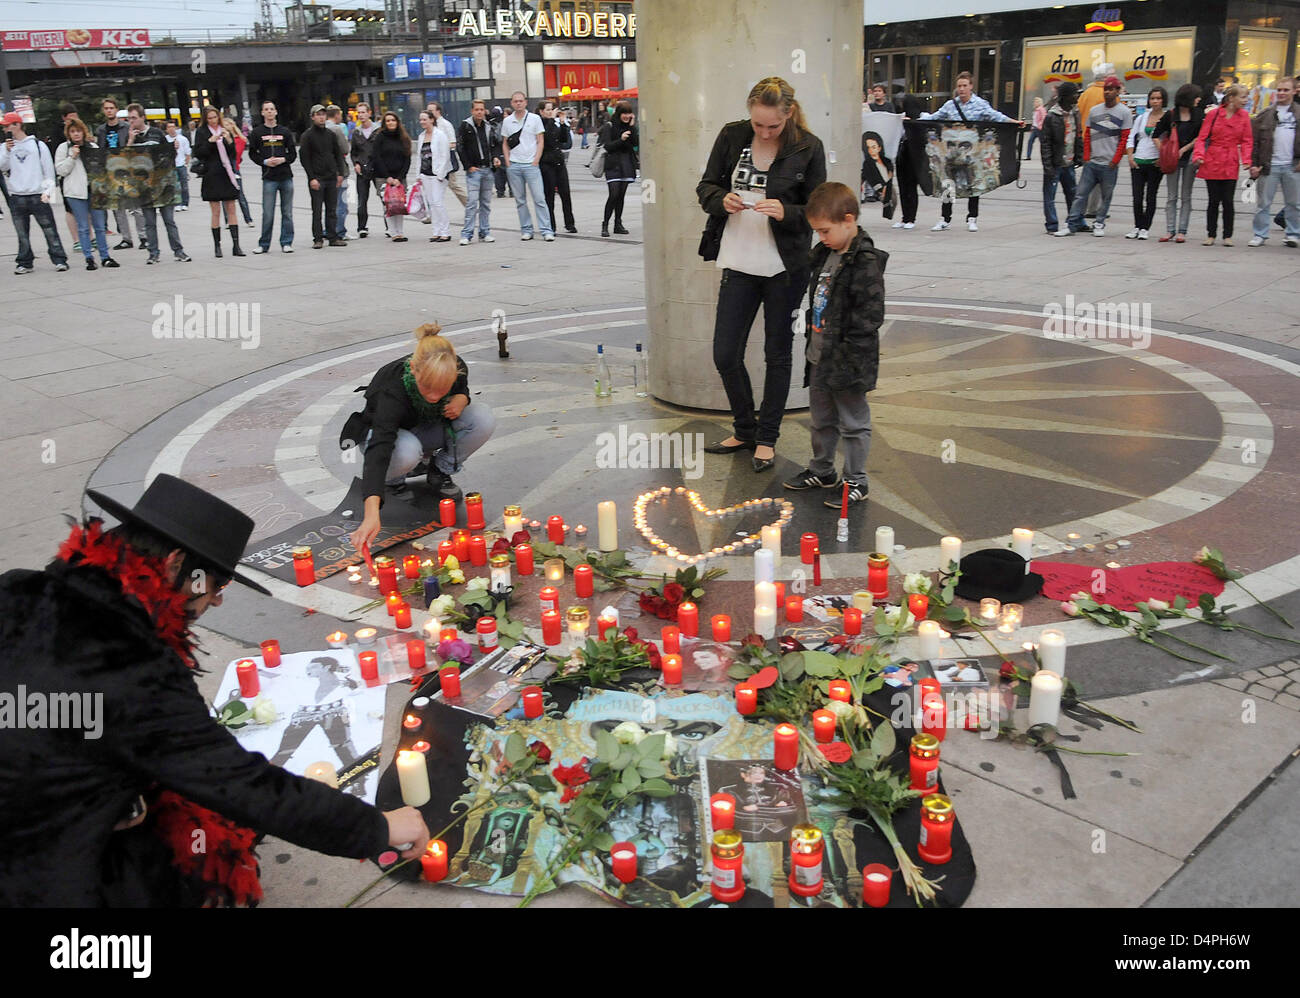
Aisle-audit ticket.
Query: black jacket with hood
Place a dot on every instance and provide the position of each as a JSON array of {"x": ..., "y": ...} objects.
[{"x": 851, "y": 321}]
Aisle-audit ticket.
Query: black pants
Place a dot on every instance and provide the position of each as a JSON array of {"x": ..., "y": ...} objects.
[
  {"x": 972, "y": 209},
  {"x": 326, "y": 197},
  {"x": 364, "y": 187},
  {"x": 614, "y": 201},
  {"x": 1221, "y": 192},
  {"x": 555, "y": 178},
  {"x": 908, "y": 193},
  {"x": 499, "y": 176},
  {"x": 1146, "y": 181},
  {"x": 739, "y": 298}
]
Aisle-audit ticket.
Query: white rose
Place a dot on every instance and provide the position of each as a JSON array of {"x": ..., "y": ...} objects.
[
  {"x": 891, "y": 615},
  {"x": 917, "y": 582},
  {"x": 670, "y": 746},
  {"x": 1080, "y": 595},
  {"x": 1202, "y": 555},
  {"x": 1157, "y": 604},
  {"x": 264, "y": 711},
  {"x": 1069, "y": 608},
  {"x": 842, "y": 711},
  {"x": 478, "y": 582},
  {"x": 628, "y": 733},
  {"x": 442, "y": 606}
]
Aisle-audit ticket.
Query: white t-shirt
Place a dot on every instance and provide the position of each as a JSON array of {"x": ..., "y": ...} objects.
[
  {"x": 448, "y": 130},
  {"x": 747, "y": 241},
  {"x": 529, "y": 129},
  {"x": 182, "y": 148}
]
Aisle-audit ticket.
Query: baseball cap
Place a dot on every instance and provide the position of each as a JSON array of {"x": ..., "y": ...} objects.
[
  {"x": 1111, "y": 81},
  {"x": 12, "y": 118},
  {"x": 317, "y": 107}
]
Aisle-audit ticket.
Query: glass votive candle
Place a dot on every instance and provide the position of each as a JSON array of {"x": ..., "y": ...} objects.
[
  {"x": 1012, "y": 615},
  {"x": 990, "y": 610},
  {"x": 553, "y": 568},
  {"x": 365, "y": 636},
  {"x": 579, "y": 621}
]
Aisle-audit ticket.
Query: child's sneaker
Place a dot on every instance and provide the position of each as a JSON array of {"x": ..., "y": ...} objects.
[
  {"x": 807, "y": 480},
  {"x": 857, "y": 494}
]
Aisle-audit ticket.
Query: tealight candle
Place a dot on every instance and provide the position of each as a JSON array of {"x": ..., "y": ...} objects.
[
  {"x": 420, "y": 746},
  {"x": 1012, "y": 614},
  {"x": 584, "y": 581},
  {"x": 885, "y": 540},
  {"x": 806, "y": 545},
  {"x": 413, "y": 778},
  {"x": 840, "y": 689},
  {"x": 794, "y": 609},
  {"x": 433, "y": 861},
  {"x": 688, "y": 619},
  {"x": 852, "y": 620},
  {"x": 550, "y": 627},
  {"x": 524, "y": 559},
  {"x": 721, "y": 627},
  {"x": 876, "y": 881},
  {"x": 746, "y": 699},
  {"x": 555, "y": 530},
  {"x": 448, "y": 634},
  {"x": 365, "y": 635},
  {"x": 449, "y": 680},
  {"x": 1045, "y": 698},
  {"x": 671, "y": 637},
  {"x": 411, "y": 566},
  {"x": 478, "y": 550},
  {"x": 402, "y": 616},
  {"x": 863, "y": 601},
  {"x": 410, "y": 722},
  {"x": 415, "y": 654},
  {"x": 271, "y": 652},
  {"x": 622, "y": 855},
  {"x": 553, "y": 569},
  {"x": 550, "y": 598},
  {"x": 823, "y": 725},
  {"x": 304, "y": 569},
  {"x": 533, "y": 701},
  {"x": 1051, "y": 651},
  {"x": 949, "y": 553},
  {"x": 928, "y": 631},
  {"x": 354, "y": 576},
  {"x": 1022, "y": 543},
  {"x": 990, "y": 610},
  {"x": 722, "y": 811},
  {"x": 512, "y": 519},
  {"x": 607, "y": 526},
  {"x": 785, "y": 745},
  {"x": 474, "y": 511},
  {"x": 322, "y": 772},
  {"x": 579, "y": 621},
  {"x": 447, "y": 512},
  {"x": 246, "y": 672},
  {"x": 764, "y": 566},
  {"x": 672, "y": 669}
]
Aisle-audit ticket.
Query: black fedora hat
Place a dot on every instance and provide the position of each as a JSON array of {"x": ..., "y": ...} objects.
[
  {"x": 998, "y": 573},
  {"x": 194, "y": 520}
]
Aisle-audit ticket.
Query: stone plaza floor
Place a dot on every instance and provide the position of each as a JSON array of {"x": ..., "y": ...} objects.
[{"x": 1186, "y": 442}]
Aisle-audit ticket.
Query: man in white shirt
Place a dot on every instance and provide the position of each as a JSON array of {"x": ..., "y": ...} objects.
[
  {"x": 522, "y": 141},
  {"x": 457, "y": 180},
  {"x": 1275, "y": 156},
  {"x": 30, "y": 169},
  {"x": 183, "y": 151}
]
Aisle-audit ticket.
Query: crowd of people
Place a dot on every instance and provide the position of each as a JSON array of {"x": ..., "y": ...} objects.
[{"x": 401, "y": 175}]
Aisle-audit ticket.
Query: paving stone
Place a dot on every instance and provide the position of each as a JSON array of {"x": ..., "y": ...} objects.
[
  {"x": 1252, "y": 675},
  {"x": 1287, "y": 700},
  {"x": 1276, "y": 682},
  {"x": 1263, "y": 692},
  {"x": 1233, "y": 684},
  {"x": 1270, "y": 670}
]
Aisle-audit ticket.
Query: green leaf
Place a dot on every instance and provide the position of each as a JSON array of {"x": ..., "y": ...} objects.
[
  {"x": 697, "y": 593},
  {"x": 657, "y": 788},
  {"x": 739, "y": 670},
  {"x": 821, "y": 664},
  {"x": 883, "y": 740},
  {"x": 616, "y": 559},
  {"x": 864, "y": 759},
  {"x": 651, "y": 746},
  {"x": 1206, "y": 602},
  {"x": 624, "y": 758},
  {"x": 542, "y": 783},
  {"x": 650, "y": 768},
  {"x": 954, "y": 614},
  {"x": 602, "y": 841},
  {"x": 852, "y": 665},
  {"x": 618, "y": 790},
  {"x": 1179, "y": 603},
  {"x": 792, "y": 665},
  {"x": 516, "y": 748},
  {"x": 607, "y": 747},
  {"x": 631, "y": 778}
]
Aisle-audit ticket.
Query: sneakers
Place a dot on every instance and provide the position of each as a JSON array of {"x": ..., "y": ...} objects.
[
  {"x": 487, "y": 239},
  {"x": 361, "y": 233},
  {"x": 464, "y": 242},
  {"x": 1133, "y": 234},
  {"x": 1227, "y": 240},
  {"x": 261, "y": 250},
  {"x": 124, "y": 244},
  {"x": 939, "y": 226},
  {"x": 1144, "y": 234},
  {"x": 857, "y": 494},
  {"x": 1098, "y": 229},
  {"x": 109, "y": 263},
  {"x": 897, "y": 225},
  {"x": 181, "y": 257},
  {"x": 442, "y": 484},
  {"x": 1064, "y": 230},
  {"x": 1256, "y": 241},
  {"x": 1292, "y": 243},
  {"x": 20, "y": 270},
  {"x": 806, "y": 479},
  {"x": 183, "y": 207},
  {"x": 972, "y": 225},
  {"x": 338, "y": 242},
  {"x": 286, "y": 249},
  {"x": 525, "y": 237},
  {"x": 91, "y": 265},
  {"x": 317, "y": 243},
  {"x": 60, "y": 267},
  {"x": 152, "y": 260},
  {"x": 550, "y": 238},
  {"x": 909, "y": 225}
]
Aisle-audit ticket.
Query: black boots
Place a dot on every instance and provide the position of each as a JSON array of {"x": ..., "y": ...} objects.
[
  {"x": 234, "y": 241},
  {"x": 216, "y": 243}
]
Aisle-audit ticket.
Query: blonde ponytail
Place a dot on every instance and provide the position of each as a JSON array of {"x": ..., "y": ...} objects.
[
  {"x": 772, "y": 91},
  {"x": 433, "y": 362}
]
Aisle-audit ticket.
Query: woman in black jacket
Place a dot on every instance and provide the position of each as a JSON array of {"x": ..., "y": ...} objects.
[
  {"x": 390, "y": 161},
  {"x": 754, "y": 189},
  {"x": 214, "y": 146},
  {"x": 621, "y": 140}
]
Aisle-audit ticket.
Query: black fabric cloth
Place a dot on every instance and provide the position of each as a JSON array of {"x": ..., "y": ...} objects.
[
  {"x": 555, "y": 180},
  {"x": 324, "y": 201},
  {"x": 362, "y": 148},
  {"x": 1187, "y": 130},
  {"x": 474, "y": 143},
  {"x": 390, "y": 157},
  {"x": 799, "y": 167},
  {"x": 216, "y": 183},
  {"x": 270, "y": 142},
  {"x": 620, "y": 154},
  {"x": 113, "y": 137},
  {"x": 557, "y": 140},
  {"x": 70, "y": 629},
  {"x": 1146, "y": 182},
  {"x": 389, "y": 409},
  {"x": 851, "y": 321},
  {"x": 1051, "y": 148},
  {"x": 321, "y": 156}
]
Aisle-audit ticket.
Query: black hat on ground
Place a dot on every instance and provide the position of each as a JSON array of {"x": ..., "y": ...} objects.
[
  {"x": 998, "y": 573},
  {"x": 194, "y": 520}
]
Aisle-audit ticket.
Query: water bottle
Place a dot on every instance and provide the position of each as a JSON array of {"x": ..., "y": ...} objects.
[
  {"x": 604, "y": 384},
  {"x": 641, "y": 374}
]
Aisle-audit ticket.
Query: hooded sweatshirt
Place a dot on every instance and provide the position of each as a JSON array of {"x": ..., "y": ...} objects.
[{"x": 29, "y": 165}]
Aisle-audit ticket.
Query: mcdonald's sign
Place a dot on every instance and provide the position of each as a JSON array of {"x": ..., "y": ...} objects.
[{"x": 578, "y": 76}]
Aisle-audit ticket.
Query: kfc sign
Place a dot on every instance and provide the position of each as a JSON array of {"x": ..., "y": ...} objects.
[{"x": 76, "y": 38}]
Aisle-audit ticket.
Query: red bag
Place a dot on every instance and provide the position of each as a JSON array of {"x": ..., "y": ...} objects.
[
  {"x": 394, "y": 200},
  {"x": 1169, "y": 149}
]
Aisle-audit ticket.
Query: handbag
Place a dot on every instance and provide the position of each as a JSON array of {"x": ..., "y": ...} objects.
[
  {"x": 198, "y": 167},
  {"x": 416, "y": 207},
  {"x": 597, "y": 164},
  {"x": 1248, "y": 195},
  {"x": 1169, "y": 150},
  {"x": 394, "y": 200}
]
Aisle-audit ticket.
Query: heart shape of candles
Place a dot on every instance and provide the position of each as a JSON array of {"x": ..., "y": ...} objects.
[{"x": 641, "y": 521}]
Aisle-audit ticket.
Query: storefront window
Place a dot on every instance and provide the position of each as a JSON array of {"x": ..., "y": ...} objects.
[
  {"x": 932, "y": 78},
  {"x": 1142, "y": 60},
  {"x": 1260, "y": 59}
]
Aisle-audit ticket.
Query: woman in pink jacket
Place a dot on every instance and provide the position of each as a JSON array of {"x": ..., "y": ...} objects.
[{"x": 1221, "y": 150}]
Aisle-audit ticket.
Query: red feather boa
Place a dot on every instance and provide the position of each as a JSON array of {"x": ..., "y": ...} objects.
[{"x": 225, "y": 865}]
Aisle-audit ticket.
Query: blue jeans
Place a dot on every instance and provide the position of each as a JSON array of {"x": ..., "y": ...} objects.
[
  {"x": 478, "y": 206},
  {"x": 269, "y": 190},
  {"x": 183, "y": 182},
  {"x": 1093, "y": 175},
  {"x": 1065, "y": 177},
  {"x": 1287, "y": 179},
  {"x": 151, "y": 230},
  {"x": 472, "y": 430},
  {"x": 25, "y": 207},
  {"x": 341, "y": 229},
  {"x": 1033, "y": 135},
  {"x": 525, "y": 181},
  {"x": 81, "y": 211}
]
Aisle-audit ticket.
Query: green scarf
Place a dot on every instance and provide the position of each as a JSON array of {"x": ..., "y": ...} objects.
[{"x": 426, "y": 411}]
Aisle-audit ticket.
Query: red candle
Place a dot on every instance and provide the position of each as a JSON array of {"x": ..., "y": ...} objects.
[
  {"x": 369, "y": 665},
  {"x": 415, "y": 655},
  {"x": 304, "y": 569},
  {"x": 449, "y": 677},
  {"x": 246, "y": 670},
  {"x": 878, "y": 576},
  {"x": 852, "y": 620},
  {"x": 474, "y": 511},
  {"x": 550, "y": 597},
  {"x": 445, "y": 549},
  {"x": 448, "y": 634},
  {"x": 824, "y": 726},
  {"x": 402, "y": 617},
  {"x": 447, "y": 512},
  {"x": 806, "y": 848},
  {"x": 728, "y": 881},
  {"x": 876, "y": 880},
  {"x": 460, "y": 542},
  {"x": 785, "y": 741},
  {"x": 622, "y": 857},
  {"x": 746, "y": 699},
  {"x": 672, "y": 640},
  {"x": 551, "y": 627},
  {"x": 918, "y": 605},
  {"x": 410, "y": 722},
  {"x": 780, "y": 593},
  {"x": 929, "y": 685},
  {"x": 583, "y": 581},
  {"x": 420, "y": 746},
  {"x": 477, "y": 550},
  {"x": 433, "y": 861},
  {"x": 935, "y": 844},
  {"x": 532, "y": 697},
  {"x": 817, "y": 566},
  {"x": 722, "y": 809},
  {"x": 555, "y": 529},
  {"x": 270, "y": 653},
  {"x": 923, "y": 762},
  {"x": 794, "y": 609},
  {"x": 411, "y": 566},
  {"x": 524, "y": 559},
  {"x": 688, "y": 619},
  {"x": 386, "y": 571},
  {"x": 603, "y": 626},
  {"x": 807, "y": 543},
  {"x": 672, "y": 669},
  {"x": 486, "y": 629},
  {"x": 721, "y": 625},
  {"x": 839, "y": 689},
  {"x": 934, "y": 715},
  {"x": 392, "y": 602}
]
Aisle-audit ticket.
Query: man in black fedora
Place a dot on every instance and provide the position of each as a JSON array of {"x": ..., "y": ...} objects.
[{"x": 116, "y": 786}]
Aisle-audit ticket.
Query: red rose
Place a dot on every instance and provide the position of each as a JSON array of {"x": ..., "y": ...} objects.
[
  {"x": 650, "y": 603},
  {"x": 1007, "y": 671},
  {"x": 502, "y": 546},
  {"x": 674, "y": 593},
  {"x": 667, "y": 611},
  {"x": 571, "y": 778},
  {"x": 540, "y": 750},
  {"x": 630, "y": 633},
  {"x": 752, "y": 639},
  {"x": 521, "y": 537}
]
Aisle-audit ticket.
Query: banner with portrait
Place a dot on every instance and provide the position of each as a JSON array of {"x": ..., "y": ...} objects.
[
  {"x": 959, "y": 159},
  {"x": 132, "y": 177}
]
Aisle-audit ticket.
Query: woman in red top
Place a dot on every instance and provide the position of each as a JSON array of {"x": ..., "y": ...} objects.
[
  {"x": 241, "y": 143},
  {"x": 1222, "y": 148}
]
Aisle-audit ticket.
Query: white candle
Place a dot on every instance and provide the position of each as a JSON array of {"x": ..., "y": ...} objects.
[
  {"x": 413, "y": 776},
  {"x": 949, "y": 552},
  {"x": 500, "y": 578},
  {"x": 863, "y": 600},
  {"x": 1045, "y": 698},
  {"x": 764, "y": 621},
  {"x": 765, "y": 595},
  {"x": 885, "y": 540},
  {"x": 611, "y": 613},
  {"x": 771, "y": 535},
  {"x": 1022, "y": 543},
  {"x": 512, "y": 525},
  {"x": 929, "y": 632},
  {"x": 1051, "y": 650},
  {"x": 764, "y": 566},
  {"x": 607, "y": 526},
  {"x": 322, "y": 772}
]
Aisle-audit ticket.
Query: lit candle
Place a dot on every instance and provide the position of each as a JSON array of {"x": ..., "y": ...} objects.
[
  {"x": 365, "y": 636},
  {"x": 727, "y": 883},
  {"x": 672, "y": 669},
  {"x": 794, "y": 609},
  {"x": 579, "y": 621},
  {"x": 923, "y": 762},
  {"x": 839, "y": 689},
  {"x": 555, "y": 529},
  {"x": 885, "y": 540},
  {"x": 524, "y": 559},
  {"x": 386, "y": 571},
  {"x": 746, "y": 699},
  {"x": 337, "y": 639},
  {"x": 533, "y": 701},
  {"x": 765, "y": 622},
  {"x": 420, "y": 746},
  {"x": 553, "y": 569},
  {"x": 1012, "y": 615},
  {"x": 607, "y": 526},
  {"x": 445, "y": 549},
  {"x": 500, "y": 573},
  {"x": 928, "y": 631},
  {"x": 413, "y": 778},
  {"x": 817, "y": 566},
  {"x": 935, "y": 843},
  {"x": 433, "y": 861},
  {"x": 322, "y": 772},
  {"x": 449, "y": 680},
  {"x": 926, "y": 686},
  {"x": 304, "y": 570},
  {"x": 1022, "y": 543},
  {"x": 918, "y": 605},
  {"x": 410, "y": 722},
  {"x": 876, "y": 880},
  {"x": 1051, "y": 651},
  {"x": 448, "y": 634},
  {"x": 852, "y": 620},
  {"x": 990, "y": 610},
  {"x": 771, "y": 535},
  {"x": 584, "y": 581},
  {"x": 580, "y": 535},
  {"x": 823, "y": 725},
  {"x": 622, "y": 855},
  {"x": 785, "y": 745},
  {"x": 246, "y": 672},
  {"x": 934, "y": 715},
  {"x": 447, "y": 512},
  {"x": 411, "y": 566},
  {"x": 392, "y": 602},
  {"x": 460, "y": 545},
  {"x": 721, "y": 626},
  {"x": 1045, "y": 698},
  {"x": 671, "y": 637},
  {"x": 806, "y": 544},
  {"x": 864, "y": 601},
  {"x": 765, "y": 595},
  {"x": 354, "y": 576},
  {"x": 688, "y": 619},
  {"x": 949, "y": 553},
  {"x": 722, "y": 811},
  {"x": 764, "y": 566},
  {"x": 474, "y": 511},
  {"x": 604, "y": 625},
  {"x": 271, "y": 653},
  {"x": 513, "y": 520},
  {"x": 878, "y": 575},
  {"x": 807, "y": 846},
  {"x": 402, "y": 616},
  {"x": 477, "y": 550},
  {"x": 551, "y": 627},
  {"x": 415, "y": 654}
]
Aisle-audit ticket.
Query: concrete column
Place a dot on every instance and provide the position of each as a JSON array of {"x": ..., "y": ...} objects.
[{"x": 696, "y": 64}]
